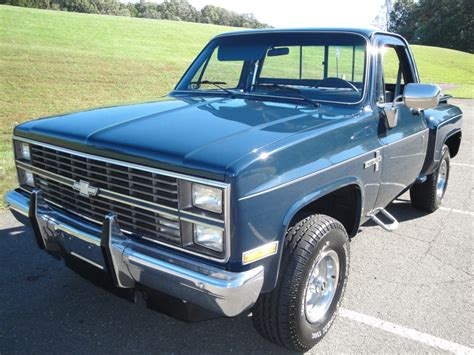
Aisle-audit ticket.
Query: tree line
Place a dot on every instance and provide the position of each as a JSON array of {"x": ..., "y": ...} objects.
[
  {"x": 176, "y": 10},
  {"x": 440, "y": 23}
]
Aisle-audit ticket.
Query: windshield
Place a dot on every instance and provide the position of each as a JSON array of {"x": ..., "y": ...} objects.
[{"x": 317, "y": 67}]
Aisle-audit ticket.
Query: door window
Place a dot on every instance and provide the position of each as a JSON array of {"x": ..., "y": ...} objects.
[{"x": 393, "y": 72}]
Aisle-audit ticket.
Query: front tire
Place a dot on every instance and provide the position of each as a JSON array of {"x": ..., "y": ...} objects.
[
  {"x": 428, "y": 195},
  {"x": 313, "y": 275}
]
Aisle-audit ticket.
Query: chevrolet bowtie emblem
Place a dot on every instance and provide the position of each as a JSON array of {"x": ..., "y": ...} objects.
[{"x": 85, "y": 189}]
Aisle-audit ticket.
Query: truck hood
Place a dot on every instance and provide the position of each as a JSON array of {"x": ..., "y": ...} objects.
[{"x": 194, "y": 135}]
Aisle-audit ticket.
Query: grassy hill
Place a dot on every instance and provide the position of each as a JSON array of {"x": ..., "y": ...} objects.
[{"x": 52, "y": 62}]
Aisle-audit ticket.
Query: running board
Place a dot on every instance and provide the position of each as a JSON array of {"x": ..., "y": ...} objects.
[{"x": 390, "y": 227}]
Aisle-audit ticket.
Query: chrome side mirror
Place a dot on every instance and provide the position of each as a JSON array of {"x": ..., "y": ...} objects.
[{"x": 421, "y": 96}]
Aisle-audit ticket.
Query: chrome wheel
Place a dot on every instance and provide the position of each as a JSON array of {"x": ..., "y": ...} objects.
[
  {"x": 321, "y": 286},
  {"x": 441, "y": 182}
]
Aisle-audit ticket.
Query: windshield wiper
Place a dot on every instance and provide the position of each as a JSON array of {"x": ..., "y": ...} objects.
[
  {"x": 289, "y": 88},
  {"x": 217, "y": 84}
]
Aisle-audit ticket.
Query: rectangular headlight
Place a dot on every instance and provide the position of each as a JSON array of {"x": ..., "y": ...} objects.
[
  {"x": 26, "y": 177},
  {"x": 207, "y": 198},
  {"x": 24, "y": 151},
  {"x": 29, "y": 179},
  {"x": 209, "y": 237}
]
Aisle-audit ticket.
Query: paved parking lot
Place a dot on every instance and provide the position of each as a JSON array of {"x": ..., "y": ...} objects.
[{"x": 409, "y": 291}]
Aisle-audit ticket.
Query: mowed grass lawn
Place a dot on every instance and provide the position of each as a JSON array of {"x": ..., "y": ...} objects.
[{"x": 53, "y": 62}]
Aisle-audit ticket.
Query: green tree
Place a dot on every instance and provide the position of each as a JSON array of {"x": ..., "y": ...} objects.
[
  {"x": 177, "y": 10},
  {"x": 402, "y": 18},
  {"x": 442, "y": 23}
]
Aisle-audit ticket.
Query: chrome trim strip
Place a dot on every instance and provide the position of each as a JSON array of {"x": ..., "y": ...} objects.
[
  {"x": 227, "y": 222},
  {"x": 202, "y": 223},
  {"x": 115, "y": 196},
  {"x": 183, "y": 212},
  {"x": 125, "y": 164},
  {"x": 329, "y": 167},
  {"x": 87, "y": 260},
  {"x": 44, "y": 173},
  {"x": 108, "y": 195}
]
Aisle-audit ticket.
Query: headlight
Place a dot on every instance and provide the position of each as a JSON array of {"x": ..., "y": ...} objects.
[
  {"x": 29, "y": 179},
  {"x": 209, "y": 237},
  {"x": 26, "y": 177},
  {"x": 24, "y": 151},
  {"x": 207, "y": 198}
]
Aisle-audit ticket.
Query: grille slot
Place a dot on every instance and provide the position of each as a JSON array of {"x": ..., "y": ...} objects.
[{"x": 143, "y": 185}]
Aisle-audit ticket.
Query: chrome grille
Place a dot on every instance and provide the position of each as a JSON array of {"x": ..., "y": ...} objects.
[
  {"x": 121, "y": 179},
  {"x": 142, "y": 185}
]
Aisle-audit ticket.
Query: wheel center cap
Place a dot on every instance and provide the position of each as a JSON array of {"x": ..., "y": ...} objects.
[{"x": 321, "y": 287}]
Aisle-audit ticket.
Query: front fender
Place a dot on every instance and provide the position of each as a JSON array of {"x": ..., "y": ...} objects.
[{"x": 268, "y": 221}]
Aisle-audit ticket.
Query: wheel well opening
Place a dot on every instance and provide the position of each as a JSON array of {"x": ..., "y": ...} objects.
[
  {"x": 453, "y": 143},
  {"x": 343, "y": 204}
]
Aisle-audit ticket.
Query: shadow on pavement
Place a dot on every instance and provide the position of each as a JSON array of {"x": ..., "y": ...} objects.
[
  {"x": 402, "y": 210},
  {"x": 20, "y": 231},
  {"x": 46, "y": 308}
]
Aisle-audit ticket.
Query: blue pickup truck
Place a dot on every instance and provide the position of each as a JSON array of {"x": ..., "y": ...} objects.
[{"x": 239, "y": 191}]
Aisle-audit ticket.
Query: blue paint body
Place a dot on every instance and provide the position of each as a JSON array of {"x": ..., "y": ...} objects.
[{"x": 278, "y": 155}]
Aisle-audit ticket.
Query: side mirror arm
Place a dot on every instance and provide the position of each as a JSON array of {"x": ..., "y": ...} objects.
[{"x": 391, "y": 111}]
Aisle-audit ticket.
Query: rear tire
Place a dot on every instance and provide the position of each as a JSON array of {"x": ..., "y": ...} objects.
[
  {"x": 313, "y": 275},
  {"x": 428, "y": 195}
]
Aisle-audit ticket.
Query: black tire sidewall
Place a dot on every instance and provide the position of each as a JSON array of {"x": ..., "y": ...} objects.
[{"x": 311, "y": 333}]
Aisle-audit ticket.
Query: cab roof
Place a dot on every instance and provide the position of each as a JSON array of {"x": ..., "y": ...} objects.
[{"x": 366, "y": 32}]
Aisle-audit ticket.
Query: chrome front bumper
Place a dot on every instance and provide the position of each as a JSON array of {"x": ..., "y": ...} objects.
[{"x": 129, "y": 262}]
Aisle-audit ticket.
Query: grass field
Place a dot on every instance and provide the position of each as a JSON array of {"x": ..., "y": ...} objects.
[{"x": 53, "y": 62}]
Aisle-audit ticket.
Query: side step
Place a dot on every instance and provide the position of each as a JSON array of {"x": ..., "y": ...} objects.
[{"x": 390, "y": 227}]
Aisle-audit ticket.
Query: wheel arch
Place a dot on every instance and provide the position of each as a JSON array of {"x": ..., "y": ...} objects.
[
  {"x": 348, "y": 192},
  {"x": 350, "y": 187},
  {"x": 453, "y": 142}
]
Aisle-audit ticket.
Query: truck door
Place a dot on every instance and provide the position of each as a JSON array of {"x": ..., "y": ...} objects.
[{"x": 404, "y": 145}]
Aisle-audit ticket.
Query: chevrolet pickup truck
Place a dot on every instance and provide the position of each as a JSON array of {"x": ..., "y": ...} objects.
[{"x": 239, "y": 191}]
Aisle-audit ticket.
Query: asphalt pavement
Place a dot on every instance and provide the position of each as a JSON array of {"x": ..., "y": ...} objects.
[{"x": 408, "y": 291}]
